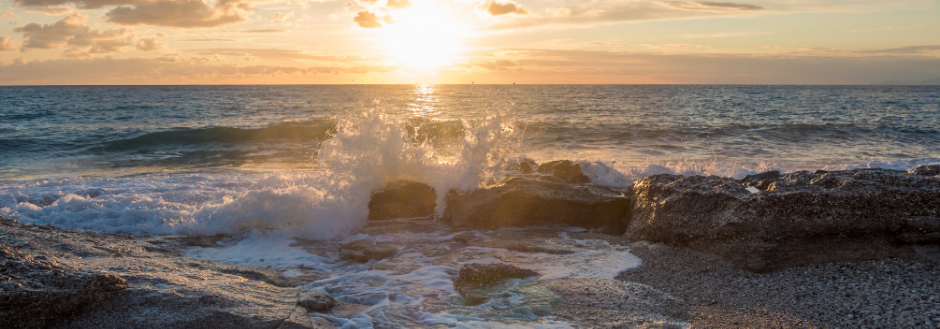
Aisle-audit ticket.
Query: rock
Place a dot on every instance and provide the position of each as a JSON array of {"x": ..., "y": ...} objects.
[
  {"x": 527, "y": 201},
  {"x": 465, "y": 237},
  {"x": 364, "y": 250},
  {"x": 473, "y": 277},
  {"x": 837, "y": 215},
  {"x": 931, "y": 170},
  {"x": 528, "y": 166},
  {"x": 763, "y": 180},
  {"x": 402, "y": 199},
  {"x": 314, "y": 301},
  {"x": 565, "y": 171},
  {"x": 66, "y": 278}
]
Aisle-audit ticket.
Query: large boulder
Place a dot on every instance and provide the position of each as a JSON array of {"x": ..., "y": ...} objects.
[
  {"x": 402, "y": 199},
  {"x": 771, "y": 221},
  {"x": 530, "y": 201}
]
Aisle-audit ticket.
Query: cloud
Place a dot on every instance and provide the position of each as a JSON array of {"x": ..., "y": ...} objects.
[
  {"x": 149, "y": 44},
  {"x": 72, "y": 33},
  {"x": 208, "y": 40},
  {"x": 592, "y": 16},
  {"x": 109, "y": 70},
  {"x": 367, "y": 20},
  {"x": 497, "y": 65},
  {"x": 398, "y": 4},
  {"x": 8, "y": 14},
  {"x": 272, "y": 53},
  {"x": 81, "y": 4},
  {"x": 495, "y": 8},
  {"x": 598, "y": 66},
  {"x": 281, "y": 17},
  {"x": 182, "y": 14},
  {"x": 905, "y": 50},
  {"x": 6, "y": 44},
  {"x": 710, "y": 6},
  {"x": 891, "y": 28},
  {"x": 265, "y": 31}
]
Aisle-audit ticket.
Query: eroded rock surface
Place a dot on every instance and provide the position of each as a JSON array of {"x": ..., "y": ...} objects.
[
  {"x": 365, "y": 250},
  {"x": 473, "y": 277},
  {"x": 795, "y": 218},
  {"x": 402, "y": 199},
  {"x": 525, "y": 201},
  {"x": 61, "y": 278}
]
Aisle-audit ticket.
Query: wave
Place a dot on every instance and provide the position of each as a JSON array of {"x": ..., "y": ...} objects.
[
  {"x": 287, "y": 132},
  {"x": 363, "y": 153}
]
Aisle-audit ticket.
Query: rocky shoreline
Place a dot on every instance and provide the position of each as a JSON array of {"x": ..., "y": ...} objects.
[{"x": 854, "y": 249}]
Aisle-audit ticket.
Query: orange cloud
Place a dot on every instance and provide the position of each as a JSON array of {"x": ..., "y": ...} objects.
[
  {"x": 182, "y": 14},
  {"x": 72, "y": 33},
  {"x": 710, "y": 5},
  {"x": 367, "y": 20},
  {"x": 509, "y": 7},
  {"x": 149, "y": 44},
  {"x": 398, "y": 4},
  {"x": 280, "y": 17},
  {"x": 6, "y": 44}
]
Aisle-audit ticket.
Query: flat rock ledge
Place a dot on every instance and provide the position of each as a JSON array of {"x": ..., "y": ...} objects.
[
  {"x": 527, "y": 201},
  {"x": 770, "y": 221},
  {"x": 52, "y": 277}
]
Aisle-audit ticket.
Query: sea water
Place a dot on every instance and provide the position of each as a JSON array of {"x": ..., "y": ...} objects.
[{"x": 267, "y": 164}]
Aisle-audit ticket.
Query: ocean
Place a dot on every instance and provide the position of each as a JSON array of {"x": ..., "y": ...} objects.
[{"x": 268, "y": 164}]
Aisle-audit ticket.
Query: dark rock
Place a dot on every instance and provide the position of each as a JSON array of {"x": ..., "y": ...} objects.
[
  {"x": 402, "y": 199},
  {"x": 63, "y": 278},
  {"x": 363, "y": 251},
  {"x": 473, "y": 277},
  {"x": 526, "y": 202},
  {"x": 565, "y": 171},
  {"x": 761, "y": 180},
  {"x": 314, "y": 301},
  {"x": 931, "y": 170},
  {"x": 853, "y": 214},
  {"x": 528, "y": 166}
]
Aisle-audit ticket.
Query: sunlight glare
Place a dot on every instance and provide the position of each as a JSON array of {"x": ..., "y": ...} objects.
[{"x": 423, "y": 37}]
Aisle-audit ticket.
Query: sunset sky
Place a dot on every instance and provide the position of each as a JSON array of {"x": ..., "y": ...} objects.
[{"x": 464, "y": 41}]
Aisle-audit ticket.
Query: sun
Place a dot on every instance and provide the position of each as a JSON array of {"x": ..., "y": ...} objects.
[{"x": 424, "y": 37}]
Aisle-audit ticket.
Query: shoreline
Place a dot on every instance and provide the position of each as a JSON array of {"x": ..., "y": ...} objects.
[{"x": 769, "y": 250}]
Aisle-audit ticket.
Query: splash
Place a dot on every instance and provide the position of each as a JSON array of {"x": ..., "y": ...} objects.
[{"x": 367, "y": 150}]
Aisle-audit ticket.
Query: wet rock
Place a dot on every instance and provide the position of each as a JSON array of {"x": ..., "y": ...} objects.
[
  {"x": 402, "y": 199},
  {"x": 526, "y": 202},
  {"x": 763, "y": 180},
  {"x": 53, "y": 277},
  {"x": 465, "y": 237},
  {"x": 832, "y": 216},
  {"x": 363, "y": 251},
  {"x": 473, "y": 277},
  {"x": 931, "y": 170},
  {"x": 564, "y": 171},
  {"x": 314, "y": 301},
  {"x": 528, "y": 166}
]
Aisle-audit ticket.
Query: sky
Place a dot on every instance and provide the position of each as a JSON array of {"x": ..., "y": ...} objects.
[{"x": 88, "y": 42}]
